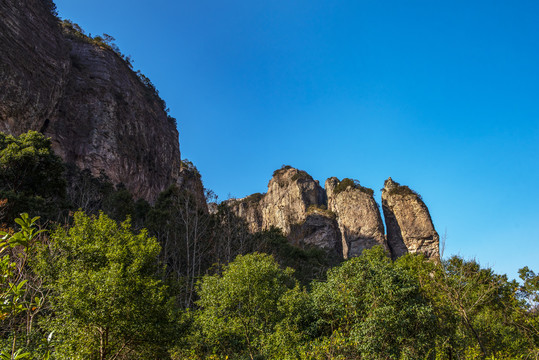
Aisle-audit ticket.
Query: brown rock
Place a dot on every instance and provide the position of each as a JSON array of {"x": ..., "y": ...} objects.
[
  {"x": 319, "y": 229},
  {"x": 97, "y": 111},
  {"x": 358, "y": 216},
  {"x": 408, "y": 222}
]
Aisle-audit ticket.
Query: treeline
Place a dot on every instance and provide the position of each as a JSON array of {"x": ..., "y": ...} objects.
[{"x": 100, "y": 275}]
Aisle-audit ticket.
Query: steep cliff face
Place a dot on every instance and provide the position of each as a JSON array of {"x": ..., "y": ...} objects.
[
  {"x": 408, "y": 222},
  {"x": 98, "y": 113},
  {"x": 290, "y": 194},
  {"x": 34, "y": 65},
  {"x": 249, "y": 209},
  {"x": 358, "y": 216}
]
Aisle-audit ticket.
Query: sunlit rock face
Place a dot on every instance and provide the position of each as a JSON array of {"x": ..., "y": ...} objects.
[
  {"x": 98, "y": 113},
  {"x": 358, "y": 216},
  {"x": 408, "y": 222},
  {"x": 344, "y": 217},
  {"x": 290, "y": 194}
]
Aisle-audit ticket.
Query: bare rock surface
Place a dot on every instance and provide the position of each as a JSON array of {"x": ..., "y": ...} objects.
[
  {"x": 248, "y": 208},
  {"x": 319, "y": 229},
  {"x": 290, "y": 194},
  {"x": 358, "y": 216},
  {"x": 408, "y": 222},
  {"x": 97, "y": 111}
]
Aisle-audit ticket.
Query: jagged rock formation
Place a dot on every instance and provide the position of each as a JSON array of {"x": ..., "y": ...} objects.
[
  {"x": 343, "y": 218},
  {"x": 290, "y": 194},
  {"x": 358, "y": 216},
  {"x": 97, "y": 111},
  {"x": 408, "y": 222}
]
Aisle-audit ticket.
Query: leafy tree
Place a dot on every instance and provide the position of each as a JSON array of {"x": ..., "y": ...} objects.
[
  {"x": 107, "y": 300},
  {"x": 253, "y": 308},
  {"x": 184, "y": 229},
  {"x": 479, "y": 313},
  {"x": 31, "y": 176},
  {"x": 17, "y": 308},
  {"x": 373, "y": 310}
]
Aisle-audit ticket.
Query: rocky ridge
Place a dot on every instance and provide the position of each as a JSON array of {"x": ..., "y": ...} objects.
[
  {"x": 98, "y": 112},
  {"x": 343, "y": 217}
]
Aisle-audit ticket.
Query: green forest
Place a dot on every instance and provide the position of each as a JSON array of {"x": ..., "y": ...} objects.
[{"x": 88, "y": 272}]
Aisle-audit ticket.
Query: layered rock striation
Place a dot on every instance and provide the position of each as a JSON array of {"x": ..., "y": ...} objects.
[
  {"x": 408, "y": 222},
  {"x": 100, "y": 115},
  {"x": 343, "y": 218}
]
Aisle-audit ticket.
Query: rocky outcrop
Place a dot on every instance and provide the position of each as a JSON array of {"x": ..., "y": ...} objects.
[
  {"x": 358, "y": 216},
  {"x": 98, "y": 112},
  {"x": 290, "y": 194},
  {"x": 248, "y": 208},
  {"x": 344, "y": 218},
  {"x": 408, "y": 222}
]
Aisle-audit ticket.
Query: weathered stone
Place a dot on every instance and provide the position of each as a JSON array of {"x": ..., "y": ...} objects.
[
  {"x": 358, "y": 216},
  {"x": 34, "y": 65},
  {"x": 319, "y": 229},
  {"x": 408, "y": 222},
  {"x": 290, "y": 194},
  {"x": 248, "y": 208},
  {"x": 97, "y": 111}
]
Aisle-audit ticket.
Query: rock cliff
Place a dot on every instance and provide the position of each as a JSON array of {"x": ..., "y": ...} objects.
[
  {"x": 249, "y": 209},
  {"x": 408, "y": 222},
  {"x": 98, "y": 112},
  {"x": 319, "y": 229},
  {"x": 290, "y": 194},
  {"x": 358, "y": 215},
  {"x": 343, "y": 217}
]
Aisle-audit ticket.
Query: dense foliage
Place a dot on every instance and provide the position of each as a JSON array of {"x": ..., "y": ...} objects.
[
  {"x": 198, "y": 285},
  {"x": 31, "y": 177}
]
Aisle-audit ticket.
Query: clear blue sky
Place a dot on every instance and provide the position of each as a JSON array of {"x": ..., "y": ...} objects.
[{"x": 441, "y": 96}]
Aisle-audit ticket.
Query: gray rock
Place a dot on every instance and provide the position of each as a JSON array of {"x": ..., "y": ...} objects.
[
  {"x": 408, "y": 222},
  {"x": 358, "y": 216}
]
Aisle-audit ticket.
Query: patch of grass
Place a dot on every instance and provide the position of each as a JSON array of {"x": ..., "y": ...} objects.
[
  {"x": 321, "y": 209},
  {"x": 281, "y": 170},
  {"x": 253, "y": 198},
  {"x": 402, "y": 190},
  {"x": 301, "y": 175},
  {"x": 354, "y": 184}
]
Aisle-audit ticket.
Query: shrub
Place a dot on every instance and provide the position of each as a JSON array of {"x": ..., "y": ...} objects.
[{"x": 354, "y": 184}]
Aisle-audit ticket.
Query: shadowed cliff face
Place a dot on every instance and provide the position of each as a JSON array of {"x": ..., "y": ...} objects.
[
  {"x": 34, "y": 65},
  {"x": 98, "y": 113},
  {"x": 409, "y": 225}
]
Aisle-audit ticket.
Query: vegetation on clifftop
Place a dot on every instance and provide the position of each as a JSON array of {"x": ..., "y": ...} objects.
[{"x": 354, "y": 184}]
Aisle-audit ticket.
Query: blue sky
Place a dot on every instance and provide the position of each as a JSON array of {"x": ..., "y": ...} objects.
[{"x": 441, "y": 96}]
